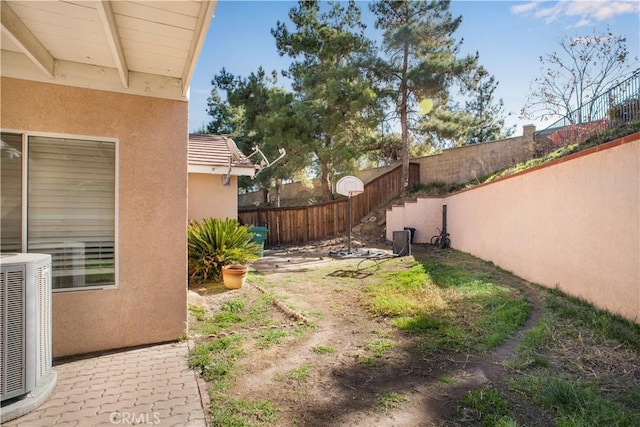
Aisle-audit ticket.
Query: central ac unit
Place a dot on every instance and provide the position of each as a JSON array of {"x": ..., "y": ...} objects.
[{"x": 25, "y": 325}]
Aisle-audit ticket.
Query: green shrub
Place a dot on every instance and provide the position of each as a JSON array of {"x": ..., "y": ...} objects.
[{"x": 214, "y": 243}]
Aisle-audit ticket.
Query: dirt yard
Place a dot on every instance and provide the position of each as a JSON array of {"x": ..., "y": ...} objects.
[{"x": 339, "y": 372}]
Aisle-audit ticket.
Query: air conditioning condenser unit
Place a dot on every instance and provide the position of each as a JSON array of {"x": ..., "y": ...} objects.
[{"x": 27, "y": 375}]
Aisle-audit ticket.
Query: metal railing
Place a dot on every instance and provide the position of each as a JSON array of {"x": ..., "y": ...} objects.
[{"x": 614, "y": 108}]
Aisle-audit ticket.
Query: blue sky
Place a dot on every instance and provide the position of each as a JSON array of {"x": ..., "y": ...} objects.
[{"x": 509, "y": 35}]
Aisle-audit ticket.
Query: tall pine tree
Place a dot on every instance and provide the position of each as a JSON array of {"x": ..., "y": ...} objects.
[
  {"x": 329, "y": 74},
  {"x": 422, "y": 63}
]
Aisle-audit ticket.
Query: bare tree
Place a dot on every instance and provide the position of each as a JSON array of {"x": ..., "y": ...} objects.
[{"x": 585, "y": 68}]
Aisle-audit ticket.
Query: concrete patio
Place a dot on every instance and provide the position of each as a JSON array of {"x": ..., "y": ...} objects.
[{"x": 150, "y": 385}]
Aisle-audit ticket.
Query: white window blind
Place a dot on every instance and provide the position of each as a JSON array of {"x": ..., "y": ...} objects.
[{"x": 71, "y": 208}]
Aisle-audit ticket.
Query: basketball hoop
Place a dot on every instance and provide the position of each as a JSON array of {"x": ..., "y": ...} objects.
[{"x": 349, "y": 186}]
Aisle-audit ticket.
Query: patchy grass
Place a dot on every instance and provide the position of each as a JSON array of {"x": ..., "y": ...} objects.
[
  {"x": 324, "y": 349},
  {"x": 227, "y": 412},
  {"x": 448, "y": 307},
  {"x": 368, "y": 360},
  {"x": 578, "y": 365},
  {"x": 217, "y": 360},
  {"x": 233, "y": 306},
  {"x": 486, "y": 405},
  {"x": 447, "y": 380},
  {"x": 299, "y": 375},
  {"x": 389, "y": 401},
  {"x": 432, "y": 189},
  {"x": 266, "y": 339},
  {"x": 232, "y": 316},
  {"x": 198, "y": 312},
  {"x": 380, "y": 346}
]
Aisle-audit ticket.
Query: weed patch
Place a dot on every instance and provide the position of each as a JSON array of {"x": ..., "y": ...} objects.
[
  {"x": 198, "y": 312},
  {"x": 324, "y": 349},
  {"x": 226, "y": 412},
  {"x": 217, "y": 360},
  {"x": 268, "y": 338},
  {"x": 576, "y": 403},
  {"x": 448, "y": 307},
  {"x": 487, "y": 405},
  {"x": 299, "y": 375},
  {"x": 390, "y": 401},
  {"x": 579, "y": 364},
  {"x": 380, "y": 346}
]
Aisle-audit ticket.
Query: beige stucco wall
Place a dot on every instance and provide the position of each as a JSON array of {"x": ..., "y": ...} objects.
[
  {"x": 208, "y": 197},
  {"x": 149, "y": 304},
  {"x": 573, "y": 224}
]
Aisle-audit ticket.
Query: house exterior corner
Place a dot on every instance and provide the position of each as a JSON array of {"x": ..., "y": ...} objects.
[{"x": 146, "y": 303}]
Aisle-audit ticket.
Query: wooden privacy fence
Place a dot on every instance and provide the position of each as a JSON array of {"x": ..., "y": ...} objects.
[{"x": 302, "y": 224}]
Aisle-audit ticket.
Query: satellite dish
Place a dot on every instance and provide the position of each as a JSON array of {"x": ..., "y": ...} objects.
[{"x": 349, "y": 186}]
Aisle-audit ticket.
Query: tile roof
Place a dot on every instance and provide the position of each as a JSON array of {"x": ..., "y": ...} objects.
[{"x": 215, "y": 150}]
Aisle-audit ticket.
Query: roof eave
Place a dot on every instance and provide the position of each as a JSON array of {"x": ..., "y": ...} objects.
[
  {"x": 223, "y": 170},
  {"x": 205, "y": 17}
]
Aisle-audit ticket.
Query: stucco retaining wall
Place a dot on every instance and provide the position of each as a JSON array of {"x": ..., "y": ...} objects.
[
  {"x": 573, "y": 224},
  {"x": 149, "y": 304}
]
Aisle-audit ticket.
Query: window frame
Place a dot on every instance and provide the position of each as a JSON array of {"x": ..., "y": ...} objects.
[{"x": 25, "y": 192}]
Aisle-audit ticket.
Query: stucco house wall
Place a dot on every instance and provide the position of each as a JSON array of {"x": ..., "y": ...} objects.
[
  {"x": 573, "y": 224},
  {"x": 208, "y": 197},
  {"x": 149, "y": 303}
]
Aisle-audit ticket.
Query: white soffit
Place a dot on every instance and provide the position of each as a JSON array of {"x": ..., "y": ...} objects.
[{"x": 139, "y": 47}]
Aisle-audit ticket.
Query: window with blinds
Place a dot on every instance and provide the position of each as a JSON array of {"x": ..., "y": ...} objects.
[
  {"x": 11, "y": 193},
  {"x": 71, "y": 208}
]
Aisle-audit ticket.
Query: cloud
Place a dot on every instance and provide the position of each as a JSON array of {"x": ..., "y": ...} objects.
[
  {"x": 582, "y": 23},
  {"x": 524, "y": 7},
  {"x": 586, "y": 11}
]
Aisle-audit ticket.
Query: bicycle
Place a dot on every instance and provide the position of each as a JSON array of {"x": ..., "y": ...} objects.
[{"x": 441, "y": 240}]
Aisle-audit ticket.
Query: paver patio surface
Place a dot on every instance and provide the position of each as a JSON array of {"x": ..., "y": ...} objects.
[{"x": 144, "y": 386}]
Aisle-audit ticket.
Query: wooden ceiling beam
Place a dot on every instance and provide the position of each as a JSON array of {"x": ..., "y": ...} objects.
[
  {"x": 27, "y": 42},
  {"x": 105, "y": 11}
]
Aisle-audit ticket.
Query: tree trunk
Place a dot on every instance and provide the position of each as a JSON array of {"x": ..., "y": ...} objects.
[
  {"x": 404, "y": 126},
  {"x": 278, "y": 186},
  {"x": 325, "y": 179}
]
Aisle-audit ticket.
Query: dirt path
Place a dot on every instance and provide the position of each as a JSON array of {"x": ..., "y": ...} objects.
[{"x": 347, "y": 387}]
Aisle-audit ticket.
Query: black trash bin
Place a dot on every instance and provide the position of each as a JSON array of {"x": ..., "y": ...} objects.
[
  {"x": 411, "y": 231},
  {"x": 260, "y": 236}
]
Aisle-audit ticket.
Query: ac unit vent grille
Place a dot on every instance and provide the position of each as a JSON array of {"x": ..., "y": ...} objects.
[
  {"x": 3, "y": 309},
  {"x": 13, "y": 352},
  {"x": 25, "y": 324},
  {"x": 43, "y": 286}
]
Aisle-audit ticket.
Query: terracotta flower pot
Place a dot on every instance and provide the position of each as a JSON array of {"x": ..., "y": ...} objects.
[{"x": 234, "y": 275}]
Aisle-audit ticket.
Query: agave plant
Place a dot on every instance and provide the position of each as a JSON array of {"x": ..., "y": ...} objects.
[{"x": 214, "y": 243}]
